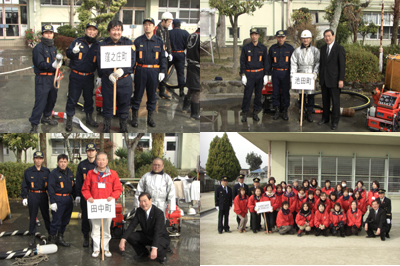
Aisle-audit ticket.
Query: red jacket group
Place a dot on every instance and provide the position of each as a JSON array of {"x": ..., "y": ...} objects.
[
  {"x": 240, "y": 205},
  {"x": 283, "y": 219},
  {"x": 301, "y": 219},
  {"x": 321, "y": 218},
  {"x": 113, "y": 187},
  {"x": 354, "y": 218}
]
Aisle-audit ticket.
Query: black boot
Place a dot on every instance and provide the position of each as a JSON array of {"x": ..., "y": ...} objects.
[
  {"x": 86, "y": 241},
  {"x": 244, "y": 117},
  {"x": 284, "y": 114},
  {"x": 33, "y": 128},
  {"x": 68, "y": 127},
  {"x": 195, "y": 111},
  {"x": 107, "y": 124},
  {"x": 255, "y": 115},
  {"x": 122, "y": 126},
  {"x": 162, "y": 92},
  {"x": 134, "y": 118},
  {"x": 51, "y": 239},
  {"x": 90, "y": 121},
  {"x": 181, "y": 91},
  {"x": 47, "y": 120},
  {"x": 150, "y": 120},
  {"x": 186, "y": 104},
  {"x": 60, "y": 240},
  {"x": 309, "y": 116},
  {"x": 277, "y": 113},
  {"x": 32, "y": 241}
]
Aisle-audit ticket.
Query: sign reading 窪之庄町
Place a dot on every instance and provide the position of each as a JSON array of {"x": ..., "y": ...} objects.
[
  {"x": 101, "y": 208},
  {"x": 115, "y": 56}
]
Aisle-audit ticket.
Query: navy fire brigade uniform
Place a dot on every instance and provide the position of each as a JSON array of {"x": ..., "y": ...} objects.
[
  {"x": 83, "y": 65},
  {"x": 45, "y": 92},
  {"x": 386, "y": 204},
  {"x": 150, "y": 57},
  {"x": 223, "y": 200},
  {"x": 34, "y": 187},
  {"x": 83, "y": 168},
  {"x": 253, "y": 64},
  {"x": 124, "y": 83},
  {"x": 178, "y": 38},
  {"x": 279, "y": 59},
  {"x": 61, "y": 191}
]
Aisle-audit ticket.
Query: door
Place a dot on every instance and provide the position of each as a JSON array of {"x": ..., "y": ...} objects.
[
  {"x": 132, "y": 19},
  {"x": 13, "y": 19}
]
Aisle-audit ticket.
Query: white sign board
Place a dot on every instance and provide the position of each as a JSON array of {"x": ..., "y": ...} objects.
[
  {"x": 264, "y": 206},
  {"x": 303, "y": 81},
  {"x": 101, "y": 208},
  {"x": 115, "y": 56}
]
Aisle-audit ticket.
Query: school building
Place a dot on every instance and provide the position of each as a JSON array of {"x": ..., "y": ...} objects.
[{"x": 335, "y": 156}]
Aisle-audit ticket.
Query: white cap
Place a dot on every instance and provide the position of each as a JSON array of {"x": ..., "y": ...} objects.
[
  {"x": 167, "y": 15},
  {"x": 306, "y": 34}
]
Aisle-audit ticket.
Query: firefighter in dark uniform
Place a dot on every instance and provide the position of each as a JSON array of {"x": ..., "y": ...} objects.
[
  {"x": 161, "y": 30},
  {"x": 121, "y": 76},
  {"x": 179, "y": 39},
  {"x": 386, "y": 204},
  {"x": 191, "y": 101},
  {"x": 83, "y": 53},
  {"x": 150, "y": 69},
  {"x": 45, "y": 64},
  {"x": 61, "y": 190},
  {"x": 253, "y": 69},
  {"x": 34, "y": 194},
  {"x": 235, "y": 191},
  {"x": 223, "y": 203},
  {"x": 279, "y": 58},
  {"x": 256, "y": 184},
  {"x": 83, "y": 168}
]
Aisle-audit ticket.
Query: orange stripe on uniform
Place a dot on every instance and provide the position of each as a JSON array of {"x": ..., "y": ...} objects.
[
  {"x": 47, "y": 60},
  {"x": 62, "y": 184},
  {"x": 140, "y": 54},
  {"x": 32, "y": 184},
  {"x": 84, "y": 176},
  {"x": 80, "y": 56},
  {"x": 287, "y": 58},
  {"x": 94, "y": 59},
  {"x": 156, "y": 55},
  {"x": 274, "y": 59},
  {"x": 249, "y": 58},
  {"x": 260, "y": 57},
  {"x": 45, "y": 184}
]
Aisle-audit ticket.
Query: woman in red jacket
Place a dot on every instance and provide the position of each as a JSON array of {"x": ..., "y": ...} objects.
[
  {"x": 306, "y": 185},
  {"x": 338, "y": 220},
  {"x": 269, "y": 195},
  {"x": 327, "y": 189},
  {"x": 255, "y": 217},
  {"x": 346, "y": 200},
  {"x": 354, "y": 219},
  {"x": 317, "y": 194},
  {"x": 360, "y": 188},
  {"x": 324, "y": 200},
  {"x": 240, "y": 208},
  {"x": 333, "y": 198},
  {"x": 314, "y": 183},
  {"x": 271, "y": 181},
  {"x": 373, "y": 193},
  {"x": 338, "y": 190},
  {"x": 321, "y": 220},
  {"x": 279, "y": 194},
  {"x": 361, "y": 203},
  {"x": 291, "y": 198},
  {"x": 301, "y": 198},
  {"x": 284, "y": 220},
  {"x": 311, "y": 200},
  {"x": 305, "y": 219}
]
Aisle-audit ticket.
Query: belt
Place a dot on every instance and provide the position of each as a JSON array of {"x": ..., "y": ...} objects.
[
  {"x": 38, "y": 191},
  {"x": 149, "y": 66},
  {"x": 119, "y": 77},
  {"x": 181, "y": 51},
  {"x": 280, "y": 69},
  {"x": 45, "y": 74},
  {"x": 63, "y": 195},
  {"x": 254, "y": 70},
  {"x": 82, "y": 74}
]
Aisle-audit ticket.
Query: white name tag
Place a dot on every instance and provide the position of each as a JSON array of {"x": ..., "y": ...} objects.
[
  {"x": 388, "y": 221},
  {"x": 101, "y": 185},
  {"x": 373, "y": 198}
]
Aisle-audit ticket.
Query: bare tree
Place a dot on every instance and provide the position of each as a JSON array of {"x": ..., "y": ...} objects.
[
  {"x": 66, "y": 140},
  {"x": 221, "y": 30},
  {"x": 43, "y": 147},
  {"x": 396, "y": 15},
  {"x": 131, "y": 146},
  {"x": 102, "y": 142}
]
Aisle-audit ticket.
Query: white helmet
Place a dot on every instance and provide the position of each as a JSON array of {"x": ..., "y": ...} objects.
[
  {"x": 167, "y": 15},
  {"x": 306, "y": 34}
]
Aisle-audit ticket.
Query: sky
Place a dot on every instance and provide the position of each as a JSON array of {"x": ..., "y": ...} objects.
[{"x": 240, "y": 145}]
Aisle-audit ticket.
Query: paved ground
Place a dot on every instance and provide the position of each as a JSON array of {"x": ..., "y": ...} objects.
[
  {"x": 186, "y": 248},
  {"x": 17, "y": 99},
  {"x": 274, "y": 249}
]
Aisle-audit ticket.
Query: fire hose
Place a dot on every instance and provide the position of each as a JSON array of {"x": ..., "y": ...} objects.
[
  {"x": 74, "y": 119},
  {"x": 21, "y": 253},
  {"x": 24, "y": 233},
  {"x": 10, "y": 72}
]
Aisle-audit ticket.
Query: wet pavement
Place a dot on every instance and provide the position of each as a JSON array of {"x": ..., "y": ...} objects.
[
  {"x": 224, "y": 115},
  {"x": 186, "y": 247},
  {"x": 17, "y": 94}
]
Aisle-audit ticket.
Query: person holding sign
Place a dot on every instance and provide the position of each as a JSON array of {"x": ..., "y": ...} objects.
[
  {"x": 150, "y": 69},
  {"x": 269, "y": 195},
  {"x": 101, "y": 183},
  {"x": 255, "y": 217},
  {"x": 120, "y": 76},
  {"x": 305, "y": 59},
  {"x": 82, "y": 52},
  {"x": 223, "y": 204},
  {"x": 285, "y": 220},
  {"x": 386, "y": 204}
]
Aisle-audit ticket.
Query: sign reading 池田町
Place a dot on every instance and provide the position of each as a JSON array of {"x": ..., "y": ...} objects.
[
  {"x": 303, "y": 81},
  {"x": 101, "y": 208},
  {"x": 115, "y": 56}
]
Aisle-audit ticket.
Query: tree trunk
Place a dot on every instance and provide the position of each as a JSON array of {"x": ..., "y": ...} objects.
[
  {"x": 66, "y": 136},
  {"x": 220, "y": 34},
  {"x": 26, "y": 156},
  {"x": 234, "y": 23},
  {"x": 19, "y": 155},
  {"x": 355, "y": 32},
  {"x": 101, "y": 142},
  {"x": 131, "y": 146},
  {"x": 71, "y": 13},
  {"x": 336, "y": 16},
  {"x": 395, "y": 27},
  {"x": 43, "y": 147},
  {"x": 157, "y": 144}
]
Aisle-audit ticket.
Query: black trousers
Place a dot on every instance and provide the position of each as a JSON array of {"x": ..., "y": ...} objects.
[
  {"x": 294, "y": 219},
  {"x": 138, "y": 240},
  {"x": 36, "y": 201},
  {"x": 328, "y": 95},
  {"x": 85, "y": 221},
  {"x": 335, "y": 230},
  {"x": 255, "y": 221},
  {"x": 223, "y": 215},
  {"x": 270, "y": 220},
  {"x": 372, "y": 227},
  {"x": 254, "y": 82}
]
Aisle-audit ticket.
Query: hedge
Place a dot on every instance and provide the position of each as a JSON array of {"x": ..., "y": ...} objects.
[
  {"x": 62, "y": 43},
  {"x": 13, "y": 173},
  {"x": 387, "y": 50},
  {"x": 67, "y": 31},
  {"x": 169, "y": 168}
]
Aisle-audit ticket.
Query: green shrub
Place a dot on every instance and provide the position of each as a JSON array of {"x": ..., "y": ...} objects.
[
  {"x": 143, "y": 158},
  {"x": 169, "y": 169},
  {"x": 13, "y": 173},
  {"x": 67, "y": 31},
  {"x": 320, "y": 43},
  {"x": 122, "y": 153},
  {"x": 121, "y": 166},
  {"x": 73, "y": 167},
  {"x": 387, "y": 50}
]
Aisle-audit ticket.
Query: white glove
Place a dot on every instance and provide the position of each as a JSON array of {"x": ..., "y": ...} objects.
[
  {"x": 76, "y": 48},
  {"x": 265, "y": 80},
  {"x": 25, "y": 202},
  {"x": 112, "y": 78},
  {"x": 118, "y": 73},
  {"x": 269, "y": 78},
  {"x": 53, "y": 207},
  {"x": 315, "y": 76},
  {"x": 132, "y": 76},
  {"x": 161, "y": 77},
  {"x": 256, "y": 209},
  {"x": 217, "y": 208},
  {"x": 98, "y": 82},
  {"x": 54, "y": 65},
  {"x": 170, "y": 57},
  {"x": 78, "y": 199},
  {"x": 244, "y": 80},
  {"x": 166, "y": 54}
]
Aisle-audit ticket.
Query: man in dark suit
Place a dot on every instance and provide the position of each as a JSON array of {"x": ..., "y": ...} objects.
[
  {"x": 376, "y": 220},
  {"x": 386, "y": 204},
  {"x": 331, "y": 76},
  {"x": 153, "y": 233},
  {"x": 235, "y": 191},
  {"x": 223, "y": 203}
]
